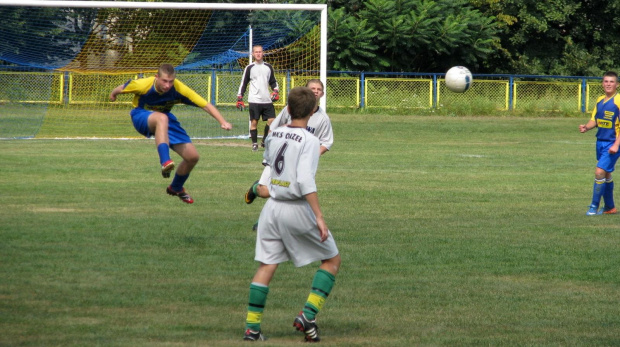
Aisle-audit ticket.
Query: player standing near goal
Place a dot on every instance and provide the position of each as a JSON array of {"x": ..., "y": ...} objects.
[
  {"x": 153, "y": 100},
  {"x": 605, "y": 117},
  {"x": 291, "y": 224},
  {"x": 261, "y": 77},
  {"x": 319, "y": 125}
]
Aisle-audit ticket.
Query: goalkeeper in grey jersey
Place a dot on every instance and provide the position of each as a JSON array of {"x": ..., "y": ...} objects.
[
  {"x": 319, "y": 125},
  {"x": 291, "y": 225}
]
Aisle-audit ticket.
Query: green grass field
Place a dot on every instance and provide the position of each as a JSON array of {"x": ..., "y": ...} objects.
[{"x": 454, "y": 231}]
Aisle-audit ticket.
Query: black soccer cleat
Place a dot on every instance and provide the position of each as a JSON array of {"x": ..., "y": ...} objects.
[
  {"x": 182, "y": 195},
  {"x": 250, "y": 195},
  {"x": 309, "y": 328},
  {"x": 251, "y": 335}
]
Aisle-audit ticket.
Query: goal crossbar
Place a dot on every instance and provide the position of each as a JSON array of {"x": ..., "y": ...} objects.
[{"x": 162, "y": 5}]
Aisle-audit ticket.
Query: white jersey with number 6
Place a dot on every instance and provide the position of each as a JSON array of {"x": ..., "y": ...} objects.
[
  {"x": 293, "y": 155},
  {"x": 287, "y": 226}
]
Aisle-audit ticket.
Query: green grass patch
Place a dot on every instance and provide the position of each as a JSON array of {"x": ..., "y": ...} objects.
[{"x": 454, "y": 231}]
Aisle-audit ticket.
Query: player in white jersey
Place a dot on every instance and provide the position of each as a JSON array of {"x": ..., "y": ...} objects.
[
  {"x": 260, "y": 76},
  {"x": 319, "y": 125},
  {"x": 291, "y": 224}
]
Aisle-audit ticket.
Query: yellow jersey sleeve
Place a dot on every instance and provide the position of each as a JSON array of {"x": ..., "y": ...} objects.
[
  {"x": 139, "y": 87},
  {"x": 593, "y": 117},
  {"x": 187, "y": 92},
  {"x": 617, "y": 125}
]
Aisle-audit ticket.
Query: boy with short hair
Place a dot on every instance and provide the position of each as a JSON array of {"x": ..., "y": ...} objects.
[
  {"x": 605, "y": 117},
  {"x": 153, "y": 100},
  {"x": 291, "y": 224}
]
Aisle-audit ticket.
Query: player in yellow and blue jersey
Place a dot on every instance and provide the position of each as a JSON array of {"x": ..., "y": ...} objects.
[
  {"x": 153, "y": 100},
  {"x": 605, "y": 117}
]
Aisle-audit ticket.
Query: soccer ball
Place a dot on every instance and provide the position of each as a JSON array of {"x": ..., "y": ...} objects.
[{"x": 459, "y": 79}]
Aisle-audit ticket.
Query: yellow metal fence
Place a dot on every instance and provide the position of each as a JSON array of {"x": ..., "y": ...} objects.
[{"x": 343, "y": 91}]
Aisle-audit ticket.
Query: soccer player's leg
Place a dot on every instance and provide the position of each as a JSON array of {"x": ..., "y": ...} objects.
[
  {"x": 254, "y": 317},
  {"x": 305, "y": 245},
  {"x": 158, "y": 125},
  {"x": 322, "y": 285},
  {"x": 597, "y": 193},
  {"x": 182, "y": 145},
  {"x": 259, "y": 288},
  {"x": 190, "y": 156},
  {"x": 598, "y": 188},
  {"x": 269, "y": 114},
  {"x": 254, "y": 117},
  {"x": 608, "y": 192},
  {"x": 149, "y": 123},
  {"x": 608, "y": 197}
]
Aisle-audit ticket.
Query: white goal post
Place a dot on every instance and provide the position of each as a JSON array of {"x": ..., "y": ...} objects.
[{"x": 196, "y": 6}]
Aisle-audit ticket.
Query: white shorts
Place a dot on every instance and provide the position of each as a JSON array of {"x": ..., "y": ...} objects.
[{"x": 287, "y": 230}]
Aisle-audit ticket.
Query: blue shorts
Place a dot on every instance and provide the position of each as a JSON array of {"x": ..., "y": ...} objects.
[
  {"x": 176, "y": 133},
  {"x": 606, "y": 161}
]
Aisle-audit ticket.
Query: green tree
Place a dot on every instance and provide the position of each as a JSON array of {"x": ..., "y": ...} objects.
[
  {"x": 351, "y": 45},
  {"x": 411, "y": 35},
  {"x": 559, "y": 37},
  {"x": 53, "y": 38}
]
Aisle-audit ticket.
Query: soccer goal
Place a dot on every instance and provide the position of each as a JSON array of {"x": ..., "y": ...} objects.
[{"x": 59, "y": 60}]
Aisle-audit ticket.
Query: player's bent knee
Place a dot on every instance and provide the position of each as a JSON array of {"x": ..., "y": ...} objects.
[
  {"x": 332, "y": 265},
  {"x": 158, "y": 119},
  {"x": 193, "y": 160}
]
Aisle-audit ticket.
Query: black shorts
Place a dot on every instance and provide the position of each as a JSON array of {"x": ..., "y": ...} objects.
[{"x": 265, "y": 110}]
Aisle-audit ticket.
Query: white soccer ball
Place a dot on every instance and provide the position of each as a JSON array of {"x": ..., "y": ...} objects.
[{"x": 459, "y": 79}]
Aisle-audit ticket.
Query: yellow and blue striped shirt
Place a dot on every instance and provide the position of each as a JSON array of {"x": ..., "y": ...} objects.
[
  {"x": 147, "y": 97},
  {"x": 606, "y": 115}
]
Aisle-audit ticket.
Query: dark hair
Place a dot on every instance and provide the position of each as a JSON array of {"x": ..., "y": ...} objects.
[
  {"x": 611, "y": 74},
  {"x": 301, "y": 102},
  {"x": 166, "y": 69}
]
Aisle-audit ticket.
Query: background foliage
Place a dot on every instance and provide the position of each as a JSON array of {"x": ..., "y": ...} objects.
[
  {"x": 563, "y": 37},
  {"x": 560, "y": 37}
]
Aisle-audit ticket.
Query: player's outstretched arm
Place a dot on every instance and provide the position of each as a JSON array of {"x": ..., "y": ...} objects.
[
  {"x": 588, "y": 126},
  {"x": 215, "y": 113},
  {"x": 116, "y": 91},
  {"x": 313, "y": 200}
]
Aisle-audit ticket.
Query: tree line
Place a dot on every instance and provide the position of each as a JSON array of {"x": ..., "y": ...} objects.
[{"x": 553, "y": 37}]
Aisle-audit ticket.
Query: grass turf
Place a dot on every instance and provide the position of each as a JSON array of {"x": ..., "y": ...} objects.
[{"x": 453, "y": 231}]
